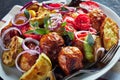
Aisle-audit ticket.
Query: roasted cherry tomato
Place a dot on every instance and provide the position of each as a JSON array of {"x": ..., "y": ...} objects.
[
  {"x": 82, "y": 22},
  {"x": 70, "y": 22},
  {"x": 34, "y": 36},
  {"x": 68, "y": 19},
  {"x": 81, "y": 34},
  {"x": 89, "y": 5},
  {"x": 55, "y": 5}
]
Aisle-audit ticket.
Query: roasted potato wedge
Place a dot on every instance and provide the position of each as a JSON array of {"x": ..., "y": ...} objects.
[
  {"x": 8, "y": 57},
  {"x": 109, "y": 32}
]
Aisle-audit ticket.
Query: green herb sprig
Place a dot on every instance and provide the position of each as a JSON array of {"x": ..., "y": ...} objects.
[
  {"x": 64, "y": 9},
  {"x": 70, "y": 34},
  {"x": 37, "y": 29},
  {"x": 27, "y": 15},
  {"x": 46, "y": 24}
]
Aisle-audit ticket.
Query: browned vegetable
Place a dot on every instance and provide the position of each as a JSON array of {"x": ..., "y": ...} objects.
[
  {"x": 27, "y": 61},
  {"x": 34, "y": 7},
  {"x": 109, "y": 33},
  {"x": 41, "y": 13},
  {"x": 51, "y": 44},
  {"x": 40, "y": 70},
  {"x": 15, "y": 47},
  {"x": 96, "y": 46},
  {"x": 70, "y": 59},
  {"x": 9, "y": 35},
  {"x": 97, "y": 17},
  {"x": 79, "y": 44}
]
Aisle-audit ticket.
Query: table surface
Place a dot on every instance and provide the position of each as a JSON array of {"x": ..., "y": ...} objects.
[{"x": 6, "y": 5}]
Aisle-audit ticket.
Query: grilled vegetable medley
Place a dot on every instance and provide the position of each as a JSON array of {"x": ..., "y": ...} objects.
[{"x": 48, "y": 41}]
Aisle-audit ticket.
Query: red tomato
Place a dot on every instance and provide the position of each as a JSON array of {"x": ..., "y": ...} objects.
[
  {"x": 89, "y": 5},
  {"x": 82, "y": 22},
  {"x": 81, "y": 34},
  {"x": 34, "y": 36},
  {"x": 81, "y": 11},
  {"x": 70, "y": 21},
  {"x": 55, "y": 5}
]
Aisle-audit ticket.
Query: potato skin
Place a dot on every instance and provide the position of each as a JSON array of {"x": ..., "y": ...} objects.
[
  {"x": 109, "y": 33},
  {"x": 51, "y": 44},
  {"x": 70, "y": 59}
]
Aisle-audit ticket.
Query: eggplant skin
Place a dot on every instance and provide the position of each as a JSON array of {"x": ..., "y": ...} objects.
[
  {"x": 109, "y": 33},
  {"x": 70, "y": 59},
  {"x": 15, "y": 46}
]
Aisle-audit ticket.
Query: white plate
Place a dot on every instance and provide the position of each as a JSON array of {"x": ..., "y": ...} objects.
[{"x": 13, "y": 74}]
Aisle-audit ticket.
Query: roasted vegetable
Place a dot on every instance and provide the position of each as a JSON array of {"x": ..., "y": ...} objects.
[
  {"x": 70, "y": 59},
  {"x": 41, "y": 13},
  {"x": 40, "y": 70},
  {"x": 15, "y": 48},
  {"x": 88, "y": 48},
  {"x": 59, "y": 39},
  {"x": 51, "y": 44},
  {"x": 109, "y": 33},
  {"x": 34, "y": 7},
  {"x": 79, "y": 44},
  {"x": 97, "y": 17},
  {"x": 98, "y": 49},
  {"x": 27, "y": 60}
]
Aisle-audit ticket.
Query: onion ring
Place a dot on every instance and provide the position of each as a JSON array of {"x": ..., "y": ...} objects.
[
  {"x": 32, "y": 52},
  {"x": 84, "y": 33},
  {"x": 20, "y": 16},
  {"x": 32, "y": 40},
  {"x": 56, "y": 20},
  {"x": 101, "y": 49},
  {"x": 76, "y": 35},
  {"x": 28, "y": 4},
  {"x": 9, "y": 29}
]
